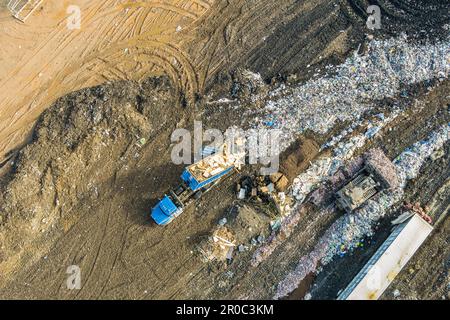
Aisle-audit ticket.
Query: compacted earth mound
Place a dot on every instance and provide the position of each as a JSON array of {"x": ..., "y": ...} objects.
[{"x": 80, "y": 192}]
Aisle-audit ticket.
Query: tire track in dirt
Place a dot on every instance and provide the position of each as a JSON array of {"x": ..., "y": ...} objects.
[
  {"x": 284, "y": 37},
  {"x": 146, "y": 21}
]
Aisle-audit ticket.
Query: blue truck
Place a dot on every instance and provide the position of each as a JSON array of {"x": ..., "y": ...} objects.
[{"x": 197, "y": 179}]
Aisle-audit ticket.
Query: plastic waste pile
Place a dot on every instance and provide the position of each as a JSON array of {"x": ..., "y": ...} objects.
[
  {"x": 346, "y": 233},
  {"x": 320, "y": 103},
  {"x": 275, "y": 239},
  {"x": 412, "y": 158}
]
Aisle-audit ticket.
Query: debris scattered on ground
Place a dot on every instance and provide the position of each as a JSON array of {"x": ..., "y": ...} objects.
[
  {"x": 122, "y": 165},
  {"x": 219, "y": 246},
  {"x": 323, "y": 168},
  {"x": 216, "y": 163},
  {"x": 318, "y": 104},
  {"x": 379, "y": 165},
  {"x": 247, "y": 84},
  {"x": 280, "y": 181},
  {"x": 417, "y": 208},
  {"x": 265, "y": 191},
  {"x": 347, "y": 231},
  {"x": 241, "y": 228},
  {"x": 320, "y": 171}
]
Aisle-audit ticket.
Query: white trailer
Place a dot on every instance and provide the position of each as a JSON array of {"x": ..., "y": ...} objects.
[{"x": 378, "y": 273}]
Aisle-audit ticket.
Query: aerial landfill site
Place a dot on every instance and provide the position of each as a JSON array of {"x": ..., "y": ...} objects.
[{"x": 225, "y": 150}]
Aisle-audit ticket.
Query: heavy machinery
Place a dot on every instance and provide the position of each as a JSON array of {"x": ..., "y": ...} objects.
[
  {"x": 378, "y": 174},
  {"x": 197, "y": 179}
]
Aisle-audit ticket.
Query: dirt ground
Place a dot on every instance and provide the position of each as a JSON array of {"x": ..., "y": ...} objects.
[
  {"x": 194, "y": 42},
  {"x": 80, "y": 185}
]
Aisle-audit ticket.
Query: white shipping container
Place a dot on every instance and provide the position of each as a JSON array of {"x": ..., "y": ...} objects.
[{"x": 388, "y": 260}]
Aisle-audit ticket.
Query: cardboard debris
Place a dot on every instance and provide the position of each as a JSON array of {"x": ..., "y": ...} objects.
[
  {"x": 417, "y": 209},
  {"x": 280, "y": 181}
]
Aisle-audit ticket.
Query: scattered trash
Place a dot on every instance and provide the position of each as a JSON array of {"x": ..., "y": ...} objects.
[
  {"x": 437, "y": 154},
  {"x": 261, "y": 191},
  {"x": 229, "y": 274},
  {"x": 396, "y": 293},
  {"x": 247, "y": 84},
  {"x": 219, "y": 246},
  {"x": 417, "y": 209},
  {"x": 320, "y": 103},
  {"x": 141, "y": 142}
]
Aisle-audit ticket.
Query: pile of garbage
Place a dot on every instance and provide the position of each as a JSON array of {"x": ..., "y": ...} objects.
[
  {"x": 216, "y": 163},
  {"x": 379, "y": 165},
  {"x": 265, "y": 190},
  {"x": 416, "y": 208},
  {"x": 318, "y": 104},
  {"x": 323, "y": 176},
  {"x": 346, "y": 95},
  {"x": 239, "y": 230},
  {"x": 346, "y": 233},
  {"x": 324, "y": 168}
]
